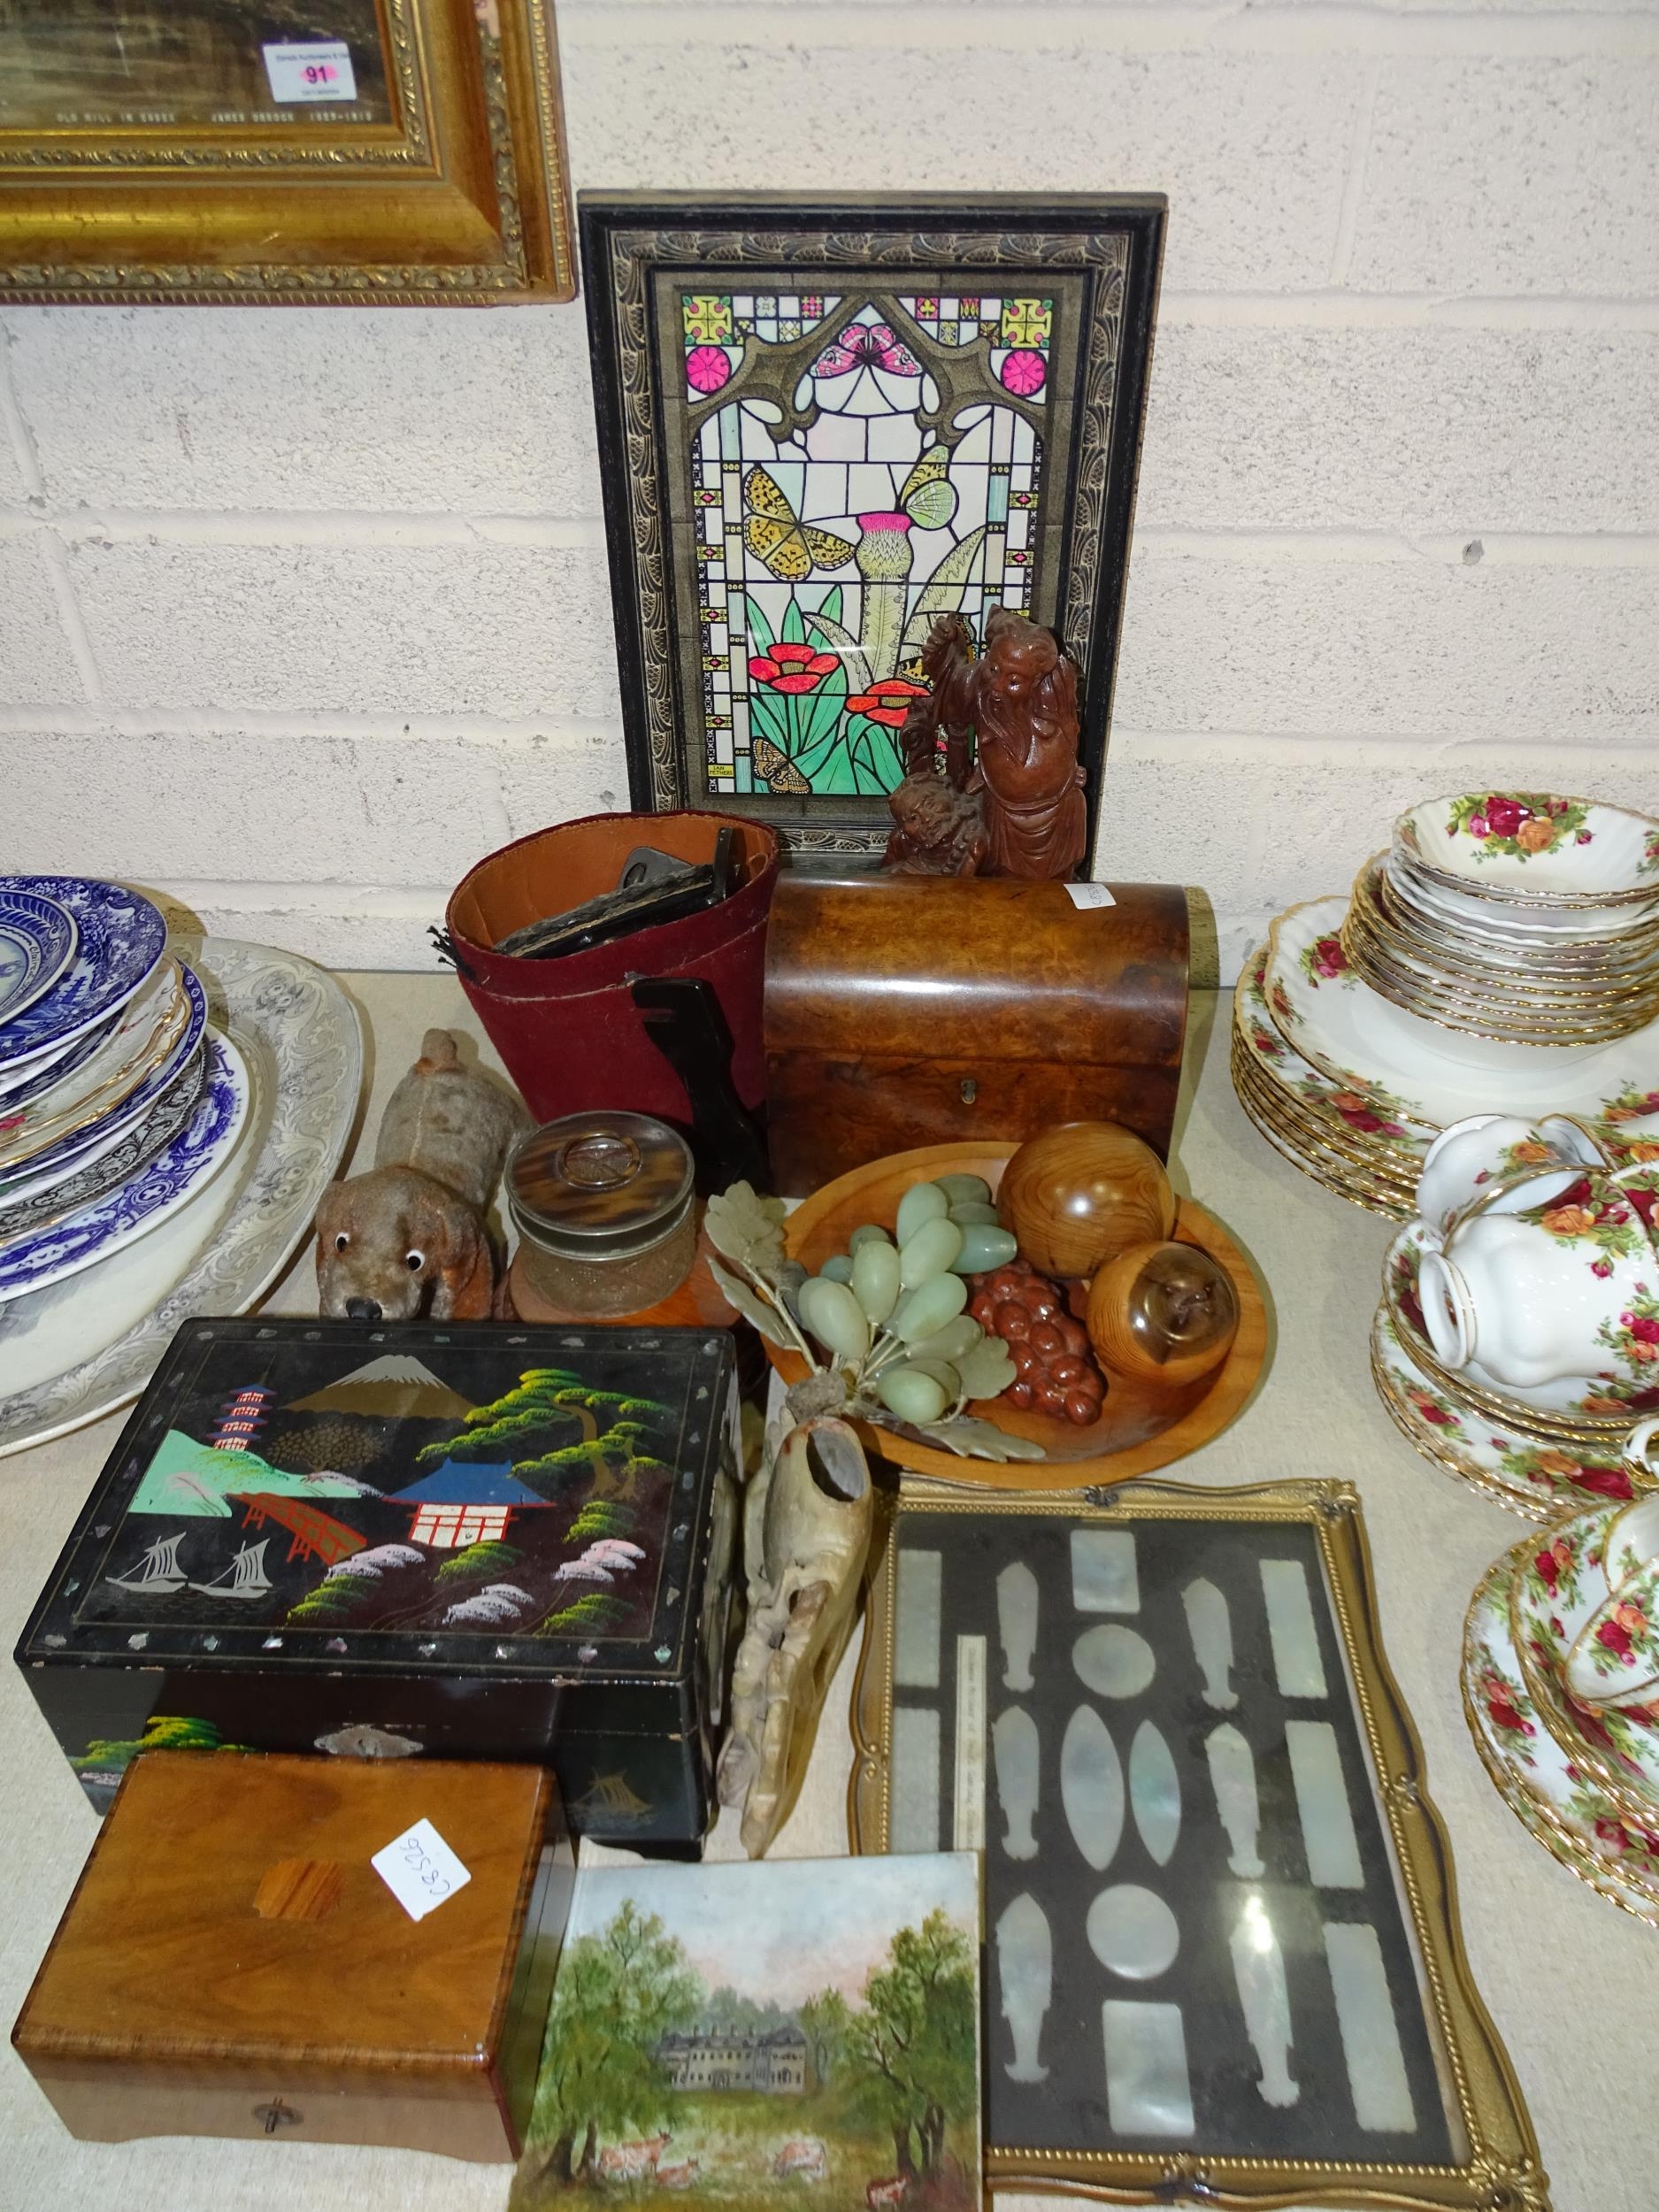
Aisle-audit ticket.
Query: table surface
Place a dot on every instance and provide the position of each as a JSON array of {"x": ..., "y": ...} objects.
[{"x": 1571, "y": 1982}]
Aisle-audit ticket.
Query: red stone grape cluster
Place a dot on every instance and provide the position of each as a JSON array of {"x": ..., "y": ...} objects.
[{"x": 1056, "y": 1374}]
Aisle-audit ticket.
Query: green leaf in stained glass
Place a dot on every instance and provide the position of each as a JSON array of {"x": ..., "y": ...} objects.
[
  {"x": 753, "y": 617},
  {"x": 793, "y": 631}
]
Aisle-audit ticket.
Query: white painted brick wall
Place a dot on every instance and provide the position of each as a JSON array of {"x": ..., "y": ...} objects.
[{"x": 302, "y": 612}]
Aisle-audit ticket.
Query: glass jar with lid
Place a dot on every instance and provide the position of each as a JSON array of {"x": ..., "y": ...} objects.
[{"x": 606, "y": 1217}]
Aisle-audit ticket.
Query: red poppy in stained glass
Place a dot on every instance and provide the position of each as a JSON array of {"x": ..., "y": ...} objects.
[
  {"x": 888, "y": 702},
  {"x": 791, "y": 667}
]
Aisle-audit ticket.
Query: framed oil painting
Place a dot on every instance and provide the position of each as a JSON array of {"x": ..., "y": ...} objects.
[
  {"x": 282, "y": 152},
  {"x": 823, "y": 425},
  {"x": 747, "y": 2037}
]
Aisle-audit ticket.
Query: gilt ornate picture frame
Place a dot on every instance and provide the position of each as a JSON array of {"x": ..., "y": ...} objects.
[
  {"x": 1224, "y": 1961},
  {"x": 278, "y": 152},
  {"x": 824, "y": 424}
]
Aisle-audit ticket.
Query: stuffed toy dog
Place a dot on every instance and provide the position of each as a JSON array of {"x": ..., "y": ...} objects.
[{"x": 409, "y": 1240}]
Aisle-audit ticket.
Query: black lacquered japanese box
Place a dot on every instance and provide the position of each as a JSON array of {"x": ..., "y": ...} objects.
[{"x": 472, "y": 1541}]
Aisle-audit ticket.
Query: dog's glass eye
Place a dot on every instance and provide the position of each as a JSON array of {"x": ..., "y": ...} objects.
[
  {"x": 340, "y": 1242},
  {"x": 414, "y": 1262}
]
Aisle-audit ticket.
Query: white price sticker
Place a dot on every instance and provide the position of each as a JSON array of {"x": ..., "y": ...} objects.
[
  {"x": 1089, "y": 895},
  {"x": 315, "y": 69},
  {"x": 420, "y": 1870}
]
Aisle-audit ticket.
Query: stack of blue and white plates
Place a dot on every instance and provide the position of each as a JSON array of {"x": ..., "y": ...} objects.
[{"x": 117, "y": 1099}]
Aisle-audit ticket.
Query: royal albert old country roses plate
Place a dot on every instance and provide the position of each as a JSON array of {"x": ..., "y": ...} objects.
[
  {"x": 1370, "y": 1117},
  {"x": 37, "y": 942},
  {"x": 1552, "y": 1797},
  {"x": 159, "y": 1187},
  {"x": 120, "y": 935},
  {"x": 77, "y": 1351},
  {"x": 1357, "y": 1038}
]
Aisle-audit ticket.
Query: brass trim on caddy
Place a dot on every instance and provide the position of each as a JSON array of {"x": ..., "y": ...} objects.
[{"x": 1502, "y": 2172}]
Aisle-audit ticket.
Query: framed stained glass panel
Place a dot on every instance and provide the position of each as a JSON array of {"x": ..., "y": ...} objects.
[{"x": 823, "y": 425}]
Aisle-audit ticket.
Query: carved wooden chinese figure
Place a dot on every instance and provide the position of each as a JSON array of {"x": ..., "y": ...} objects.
[{"x": 1025, "y": 723}]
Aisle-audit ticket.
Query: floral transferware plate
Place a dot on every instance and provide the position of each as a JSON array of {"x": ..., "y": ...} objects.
[
  {"x": 78, "y": 1351},
  {"x": 103, "y": 1171},
  {"x": 62, "y": 1140},
  {"x": 1362, "y": 1185},
  {"x": 1556, "y": 1588},
  {"x": 1533, "y": 845},
  {"x": 119, "y": 937},
  {"x": 1372, "y": 1118},
  {"x": 1603, "y": 1413},
  {"x": 185, "y": 1162},
  {"x": 1353, "y": 1035},
  {"x": 1551, "y": 1794},
  {"x": 37, "y": 942},
  {"x": 1539, "y": 1475}
]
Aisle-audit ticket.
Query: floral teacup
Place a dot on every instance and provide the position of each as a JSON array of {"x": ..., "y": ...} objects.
[
  {"x": 1613, "y": 1659},
  {"x": 1569, "y": 1289},
  {"x": 1632, "y": 1541},
  {"x": 1510, "y": 1164}
]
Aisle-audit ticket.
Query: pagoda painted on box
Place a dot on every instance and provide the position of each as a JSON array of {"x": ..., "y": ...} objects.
[{"x": 530, "y": 1504}]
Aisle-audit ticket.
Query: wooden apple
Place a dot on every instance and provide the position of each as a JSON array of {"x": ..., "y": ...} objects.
[
  {"x": 1163, "y": 1313},
  {"x": 1080, "y": 1195}
]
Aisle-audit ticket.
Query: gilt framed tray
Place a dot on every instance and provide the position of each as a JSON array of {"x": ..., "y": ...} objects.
[
  {"x": 1223, "y": 1953},
  {"x": 824, "y": 422}
]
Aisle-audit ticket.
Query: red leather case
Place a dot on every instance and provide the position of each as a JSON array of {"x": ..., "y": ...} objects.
[{"x": 567, "y": 1030}]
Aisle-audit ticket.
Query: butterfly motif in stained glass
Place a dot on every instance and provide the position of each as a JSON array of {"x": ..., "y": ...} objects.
[
  {"x": 866, "y": 346},
  {"x": 775, "y": 533}
]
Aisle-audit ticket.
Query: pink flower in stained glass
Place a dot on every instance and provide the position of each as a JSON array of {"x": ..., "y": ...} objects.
[
  {"x": 707, "y": 368},
  {"x": 1023, "y": 373}
]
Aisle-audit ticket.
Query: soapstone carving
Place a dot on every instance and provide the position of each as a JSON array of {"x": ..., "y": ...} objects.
[
  {"x": 1259, "y": 1968},
  {"x": 1211, "y": 1627},
  {"x": 1017, "y": 1621},
  {"x": 1155, "y": 1791},
  {"x": 1233, "y": 1778},
  {"x": 1091, "y": 1787},
  {"x": 1025, "y": 1970},
  {"x": 1014, "y": 1750},
  {"x": 806, "y": 1539},
  {"x": 409, "y": 1239}
]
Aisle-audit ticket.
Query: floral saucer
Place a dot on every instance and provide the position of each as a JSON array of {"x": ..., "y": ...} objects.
[
  {"x": 1555, "y": 1590},
  {"x": 1355, "y": 1036},
  {"x": 1340, "y": 1177},
  {"x": 1602, "y": 1415},
  {"x": 1369, "y": 1116},
  {"x": 1539, "y": 1476},
  {"x": 1549, "y": 1793},
  {"x": 1298, "y": 1118}
]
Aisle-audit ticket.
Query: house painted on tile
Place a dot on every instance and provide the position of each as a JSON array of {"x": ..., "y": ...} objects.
[{"x": 466, "y": 1502}]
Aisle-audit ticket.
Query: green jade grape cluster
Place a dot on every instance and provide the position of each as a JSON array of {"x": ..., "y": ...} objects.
[
  {"x": 891, "y": 1307},
  {"x": 897, "y": 1346}
]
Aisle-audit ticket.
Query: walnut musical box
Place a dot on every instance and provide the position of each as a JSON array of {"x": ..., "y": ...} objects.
[
  {"x": 461, "y": 1542},
  {"x": 308, "y": 1950},
  {"x": 910, "y": 1010}
]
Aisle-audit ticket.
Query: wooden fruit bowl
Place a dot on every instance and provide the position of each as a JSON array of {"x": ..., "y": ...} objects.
[{"x": 1140, "y": 1427}]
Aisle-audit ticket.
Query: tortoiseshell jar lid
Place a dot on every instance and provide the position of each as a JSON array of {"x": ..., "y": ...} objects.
[{"x": 600, "y": 1185}]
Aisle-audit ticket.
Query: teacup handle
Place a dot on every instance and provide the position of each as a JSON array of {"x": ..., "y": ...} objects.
[{"x": 1638, "y": 1445}]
